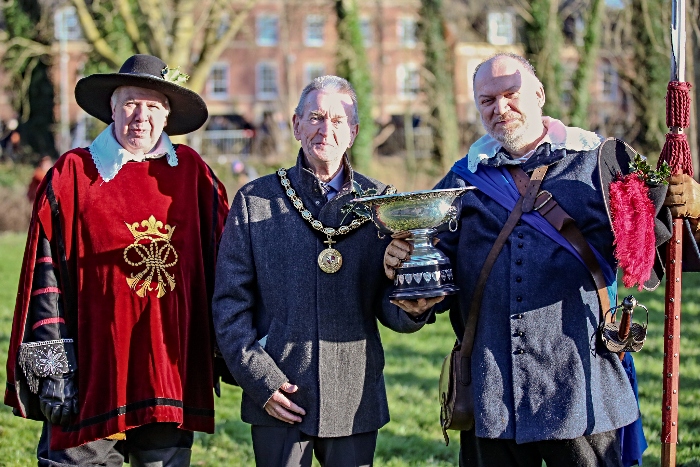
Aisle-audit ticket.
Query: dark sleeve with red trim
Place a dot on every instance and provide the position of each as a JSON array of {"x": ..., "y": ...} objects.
[
  {"x": 45, "y": 306},
  {"x": 50, "y": 350}
]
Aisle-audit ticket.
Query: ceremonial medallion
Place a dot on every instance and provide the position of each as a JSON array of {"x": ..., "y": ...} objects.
[{"x": 330, "y": 260}]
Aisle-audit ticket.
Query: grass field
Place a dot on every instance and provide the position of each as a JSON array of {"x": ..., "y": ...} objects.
[{"x": 413, "y": 436}]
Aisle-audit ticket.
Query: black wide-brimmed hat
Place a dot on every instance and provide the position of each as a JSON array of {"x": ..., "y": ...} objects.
[{"x": 188, "y": 111}]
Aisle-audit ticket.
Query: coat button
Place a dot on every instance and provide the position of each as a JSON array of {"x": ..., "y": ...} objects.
[
  {"x": 518, "y": 279},
  {"x": 519, "y": 223},
  {"x": 317, "y": 202},
  {"x": 519, "y": 299},
  {"x": 520, "y": 245},
  {"x": 518, "y": 316},
  {"x": 520, "y": 235},
  {"x": 519, "y": 352},
  {"x": 518, "y": 261}
]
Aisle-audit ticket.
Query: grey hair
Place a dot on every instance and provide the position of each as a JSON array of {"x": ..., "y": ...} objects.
[
  {"x": 117, "y": 91},
  {"x": 329, "y": 83},
  {"x": 519, "y": 58}
]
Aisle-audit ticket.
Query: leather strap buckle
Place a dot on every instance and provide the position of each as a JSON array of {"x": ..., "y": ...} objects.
[{"x": 540, "y": 205}]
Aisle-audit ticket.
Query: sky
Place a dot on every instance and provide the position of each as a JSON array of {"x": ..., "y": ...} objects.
[{"x": 615, "y": 3}]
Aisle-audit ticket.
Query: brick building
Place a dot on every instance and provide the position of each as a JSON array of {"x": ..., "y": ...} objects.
[{"x": 286, "y": 43}]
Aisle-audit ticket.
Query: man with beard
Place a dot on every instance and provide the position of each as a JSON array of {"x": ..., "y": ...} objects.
[{"x": 543, "y": 390}]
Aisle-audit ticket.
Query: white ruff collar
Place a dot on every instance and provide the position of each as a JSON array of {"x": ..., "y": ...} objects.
[
  {"x": 109, "y": 156},
  {"x": 558, "y": 136}
]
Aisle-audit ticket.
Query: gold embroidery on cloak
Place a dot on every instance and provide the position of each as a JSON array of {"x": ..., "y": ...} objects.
[{"x": 153, "y": 252}]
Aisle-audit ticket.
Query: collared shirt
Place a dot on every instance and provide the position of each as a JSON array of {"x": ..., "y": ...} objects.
[
  {"x": 333, "y": 187},
  {"x": 109, "y": 156},
  {"x": 558, "y": 136}
]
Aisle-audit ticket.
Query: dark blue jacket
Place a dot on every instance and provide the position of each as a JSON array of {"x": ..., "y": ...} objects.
[{"x": 536, "y": 369}]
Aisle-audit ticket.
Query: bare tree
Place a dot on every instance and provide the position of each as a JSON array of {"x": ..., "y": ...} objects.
[{"x": 187, "y": 33}]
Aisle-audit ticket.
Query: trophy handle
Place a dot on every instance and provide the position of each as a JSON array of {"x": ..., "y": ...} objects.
[
  {"x": 449, "y": 225},
  {"x": 453, "y": 213}
]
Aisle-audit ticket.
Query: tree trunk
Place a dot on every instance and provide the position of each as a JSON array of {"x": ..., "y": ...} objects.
[
  {"x": 438, "y": 84},
  {"x": 542, "y": 40},
  {"x": 353, "y": 66},
  {"x": 588, "y": 58}
]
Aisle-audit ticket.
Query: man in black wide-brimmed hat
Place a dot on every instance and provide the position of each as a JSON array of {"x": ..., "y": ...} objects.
[{"x": 111, "y": 344}]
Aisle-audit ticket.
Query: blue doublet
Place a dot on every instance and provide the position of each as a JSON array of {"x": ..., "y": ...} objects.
[{"x": 537, "y": 373}]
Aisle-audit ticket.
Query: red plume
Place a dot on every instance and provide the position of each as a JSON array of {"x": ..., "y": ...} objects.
[{"x": 632, "y": 214}]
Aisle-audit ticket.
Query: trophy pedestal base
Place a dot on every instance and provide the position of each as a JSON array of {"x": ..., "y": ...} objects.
[{"x": 412, "y": 283}]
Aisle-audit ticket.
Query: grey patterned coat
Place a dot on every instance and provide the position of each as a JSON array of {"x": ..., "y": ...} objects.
[{"x": 321, "y": 328}]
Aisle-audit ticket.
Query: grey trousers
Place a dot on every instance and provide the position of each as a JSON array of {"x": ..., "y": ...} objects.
[
  {"x": 599, "y": 450},
  {"x": 289, "y": 447},
  {"x": 152, "y": 445}
]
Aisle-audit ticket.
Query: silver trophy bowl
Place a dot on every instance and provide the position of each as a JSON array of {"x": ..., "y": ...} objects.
[{"x": 428, "y": 272}]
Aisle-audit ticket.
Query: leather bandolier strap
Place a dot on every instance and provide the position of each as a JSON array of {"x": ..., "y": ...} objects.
[
  {"x": 547, "y": 206},
  {"x": 542, "y": 201},
  {"x": 527, "y": 198}
]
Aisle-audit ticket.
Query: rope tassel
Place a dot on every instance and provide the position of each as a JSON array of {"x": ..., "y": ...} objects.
[
  {"x": 676, "y": 149},
  {"x": 678, "y": 104},
  {"x": 676, "y": 152}
]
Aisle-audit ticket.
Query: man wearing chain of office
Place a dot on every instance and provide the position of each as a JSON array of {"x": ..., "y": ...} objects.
[{"x": 299, "y": 289}]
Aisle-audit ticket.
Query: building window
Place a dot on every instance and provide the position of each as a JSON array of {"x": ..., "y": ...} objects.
[
  {"x": 313, "y": 36},
  {"x": 407, "y": 79},
  {"x": 366, "y": 31},
  {"x": 609, "y": 82},
  {"x": 224, "y": 25},
  {"x": 266, "y": 81},
  {"x": 267, "y": 27},
  {"x": 218, "y": 83},
  {"x": 66, "y": 24},
  {"x": 501, "y": 30},
  {"x": 408, "y": 32},
  {"x": 312, "y": 71}
]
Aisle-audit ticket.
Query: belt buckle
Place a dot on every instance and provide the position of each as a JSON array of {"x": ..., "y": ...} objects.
[{"x": 539, "y": 206}]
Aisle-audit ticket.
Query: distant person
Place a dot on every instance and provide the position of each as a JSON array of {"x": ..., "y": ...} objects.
[
  {"x": 299, "y": 291},
  {"x": 111, "y": 343},
  {"x": 11, "y": 140},
  {"x": 39, "y": 172}
]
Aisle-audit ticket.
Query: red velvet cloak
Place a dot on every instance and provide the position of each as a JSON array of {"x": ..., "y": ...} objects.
[{"x": 144, "y": 349}]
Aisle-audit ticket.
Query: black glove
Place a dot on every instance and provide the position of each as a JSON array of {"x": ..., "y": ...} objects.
[{"x": 58, "y": 398}]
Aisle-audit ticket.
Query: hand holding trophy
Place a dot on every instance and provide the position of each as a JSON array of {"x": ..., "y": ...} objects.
[{"x": 428, "y": 272}]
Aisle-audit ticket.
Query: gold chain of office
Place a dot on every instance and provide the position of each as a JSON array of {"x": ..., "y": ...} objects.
[{"x": 329, "y": 260}]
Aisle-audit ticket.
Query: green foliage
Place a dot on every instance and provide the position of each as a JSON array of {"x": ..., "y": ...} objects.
[
  {"x": 649, "y": 174},
  {"x": 588, "y": 55},
  {"x": 174, "y": 75},
  {"x": 542, "y": 40},
  {"x": 26, "y": 60},
  {"x": 20, "y": 18},
  {"x": 113, "y": 29},
  {"x": 438, "y": 83},
  {"x": 359, "y": 209},
  {"x": 353, "y": 66},
  {"x": 649, "y": 73}
]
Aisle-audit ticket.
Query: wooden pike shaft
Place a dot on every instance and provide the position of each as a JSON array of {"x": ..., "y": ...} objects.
[
  {"x": 672, "y": 326},
  {"x": 672, "y": 331}
]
